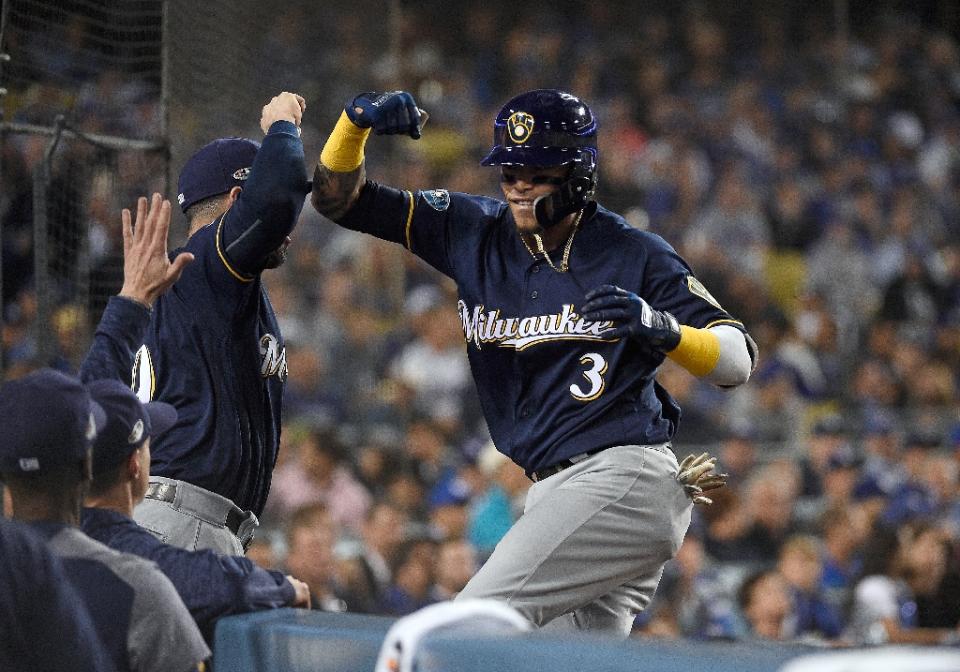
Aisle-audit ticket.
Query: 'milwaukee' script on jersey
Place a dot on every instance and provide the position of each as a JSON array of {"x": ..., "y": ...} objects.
[{"x": 486, "y": 326}]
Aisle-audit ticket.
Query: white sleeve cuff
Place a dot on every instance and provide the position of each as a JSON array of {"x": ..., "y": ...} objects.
[{"x": 735, "y": 364}]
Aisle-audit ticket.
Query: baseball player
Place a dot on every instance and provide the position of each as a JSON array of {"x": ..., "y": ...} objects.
[
  {"x": 567, "y": 312},
  {"x": 50, "y": 422},
  {"x": 210, "y": 585},
  {"x": 213, "y": 348}
]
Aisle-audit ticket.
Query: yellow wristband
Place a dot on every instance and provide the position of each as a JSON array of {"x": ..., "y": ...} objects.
[
  {"x": 343, "y": 152},
  {"x": 698, "y": 350}
]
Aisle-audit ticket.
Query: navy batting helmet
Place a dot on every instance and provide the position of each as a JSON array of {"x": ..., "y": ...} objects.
[{"x": 544, "y": 127}]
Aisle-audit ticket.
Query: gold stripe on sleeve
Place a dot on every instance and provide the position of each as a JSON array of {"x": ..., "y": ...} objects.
[
  {"x": 223, "y": 258},
  {"x": 409, "y": 220}
]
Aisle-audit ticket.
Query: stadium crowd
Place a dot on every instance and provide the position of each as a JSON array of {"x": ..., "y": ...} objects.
[{"x": 812, "y": 183}]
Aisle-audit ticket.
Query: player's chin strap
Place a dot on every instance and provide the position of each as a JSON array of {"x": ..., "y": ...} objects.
[{"x": 573, "y": 195}]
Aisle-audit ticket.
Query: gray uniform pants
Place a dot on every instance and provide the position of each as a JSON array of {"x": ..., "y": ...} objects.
[
  {"x": 591, "y": 543},
  {"x": 196, "y": 518}
]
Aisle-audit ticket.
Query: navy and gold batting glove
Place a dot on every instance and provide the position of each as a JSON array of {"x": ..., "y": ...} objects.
[
  {"x": 632, "y": 316},
  {"x": 390, "y": 113}
]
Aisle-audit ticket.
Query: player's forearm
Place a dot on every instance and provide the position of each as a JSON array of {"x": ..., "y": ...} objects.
[
  {"x": 720, "y": 354},
  {"x": 340, "y": 173},
  {"x": 118, "y": 336},
  {"x": 271, "y": 201},
  {"x": 334, "y": 194}
]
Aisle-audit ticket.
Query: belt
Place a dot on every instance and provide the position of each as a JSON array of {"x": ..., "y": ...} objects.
[
  {"x": 547, "y": 472},
  {"x": 167, "y": 492}
]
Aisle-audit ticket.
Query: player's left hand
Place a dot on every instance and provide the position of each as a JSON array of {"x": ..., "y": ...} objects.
[
  {"x": 697, "y": 477},
  {"x": 147, "y": 269},
  {"x": 390, "y": 113},
  {"x": 632, "y": 316}
]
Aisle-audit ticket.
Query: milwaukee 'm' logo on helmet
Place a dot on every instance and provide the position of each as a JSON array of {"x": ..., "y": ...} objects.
[{"x": 520, "y": 126}]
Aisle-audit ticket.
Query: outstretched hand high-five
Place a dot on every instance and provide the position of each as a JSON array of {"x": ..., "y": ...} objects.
[{"x": 147, "y": 269}]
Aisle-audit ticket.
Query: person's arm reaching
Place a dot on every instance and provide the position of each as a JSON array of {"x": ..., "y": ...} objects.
[
  {"x": 267, "y": 209},
  {"x": 340, "y": 175},
  {"x": 147, "y": 273}
]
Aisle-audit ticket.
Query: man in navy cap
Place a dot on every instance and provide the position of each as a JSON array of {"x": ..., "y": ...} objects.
[
  {"x": 38, "y": 604},
  {"x": 213, "y": 348},
  {"x": 50, "y": 422},
  {"x": 210, "y": 585}
]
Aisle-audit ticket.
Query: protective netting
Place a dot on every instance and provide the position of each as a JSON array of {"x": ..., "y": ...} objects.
[{"x": 83, "y": 139}]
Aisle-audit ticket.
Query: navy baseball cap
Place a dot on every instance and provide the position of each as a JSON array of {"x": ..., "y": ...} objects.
[
  {"x": 129, "y": 422},
  {"x": 216, "y": 168},
  {"x": 49, "y": 421}
]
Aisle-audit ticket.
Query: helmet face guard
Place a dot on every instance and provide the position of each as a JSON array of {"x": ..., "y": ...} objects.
[{"x": 544, "y": 127}]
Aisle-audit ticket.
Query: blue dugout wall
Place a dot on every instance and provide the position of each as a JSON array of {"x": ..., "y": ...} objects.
[{"x": 291, "y": 640}]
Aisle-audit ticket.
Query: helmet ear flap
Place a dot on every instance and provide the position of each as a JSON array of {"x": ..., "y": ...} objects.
[{"x": 573, "y": 195}]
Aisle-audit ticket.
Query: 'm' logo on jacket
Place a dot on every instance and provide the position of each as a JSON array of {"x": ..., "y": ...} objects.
[{"x": 273, "y": 357}]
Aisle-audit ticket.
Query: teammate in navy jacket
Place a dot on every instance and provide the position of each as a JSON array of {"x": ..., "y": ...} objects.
[
  {"x": 567, "y": 312},
  {"x": 213, "y": 349},
  {"x": 210, "y": 585}
]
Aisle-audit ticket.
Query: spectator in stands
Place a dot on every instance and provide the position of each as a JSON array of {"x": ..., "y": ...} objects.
[
  {"x": 456, "y": 563},
  {"x": 321, "y": 475},
  {"x": 311, "y": 536},
  {"x": 899, "y": 565},
  {"x": 764, "y": 600},
  {"x": 368, "y": 569},
  {"x": 843, "y": 531},
  {"x": 801, "y": 567},
  {"x": 914, "y": 499},
  {"x": 413, "y": 575}
]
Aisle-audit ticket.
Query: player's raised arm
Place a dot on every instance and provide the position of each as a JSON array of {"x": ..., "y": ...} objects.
[
  {"x": 340, "y": 174},
  {"x": 256, "y": 228},
  {"x": 147, "y": 273}
]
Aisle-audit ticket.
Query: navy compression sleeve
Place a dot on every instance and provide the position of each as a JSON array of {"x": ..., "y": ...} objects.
[
  {"x": 271, "y": 201},
  {"x": 381, "y": 211}
]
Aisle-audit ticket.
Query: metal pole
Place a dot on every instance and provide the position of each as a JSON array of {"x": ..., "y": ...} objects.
[
  {"x": 41, "y": 253},
  {"x": 4, "y": 58},
  {"x": 165, "y": 93}
]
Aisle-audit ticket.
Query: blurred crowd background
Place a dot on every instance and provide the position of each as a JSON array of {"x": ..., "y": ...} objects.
[{"x": 805, "y": 163}]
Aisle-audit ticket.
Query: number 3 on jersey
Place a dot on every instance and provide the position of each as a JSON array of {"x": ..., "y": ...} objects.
[{"x": 594, "y": 375}]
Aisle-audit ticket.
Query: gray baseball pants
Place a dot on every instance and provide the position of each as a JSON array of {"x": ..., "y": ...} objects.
[
  {"x": 589, "y": 549},
  {"x": 195, "y": 519}
]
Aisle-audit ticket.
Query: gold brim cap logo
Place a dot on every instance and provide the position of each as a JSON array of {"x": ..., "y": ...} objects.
[{"x": 520, "y": 126}]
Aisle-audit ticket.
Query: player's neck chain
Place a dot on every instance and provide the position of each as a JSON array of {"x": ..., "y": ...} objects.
[{"x": 565, "y": 259}]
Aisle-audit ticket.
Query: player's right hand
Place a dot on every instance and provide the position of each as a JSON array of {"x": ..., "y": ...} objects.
[
  {"x": 301, "y": 592},
  {"x": 284, "y": 106},
  {"x": 390, "y": 113}
]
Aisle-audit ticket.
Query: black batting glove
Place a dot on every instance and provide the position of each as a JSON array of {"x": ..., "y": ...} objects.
[
  {"x": 390, "y": 113},
  {"x": 632, "y": 316}
]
